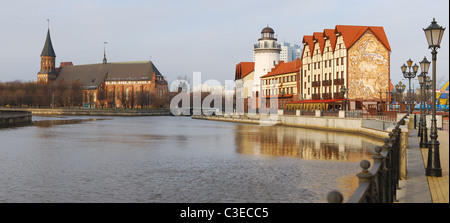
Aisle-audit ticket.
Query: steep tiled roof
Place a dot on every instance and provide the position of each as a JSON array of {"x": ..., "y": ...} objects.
[
  {"x": 351, "y": 34},
  {"x": 331, "y": 36},
  {"x": 319, "y": 37},
  {"x": 285, "y": 68},
  {"x": 309, "y": 40},
  {"x": 243, "y": 69},
  {"x": 91, "y": 75}
]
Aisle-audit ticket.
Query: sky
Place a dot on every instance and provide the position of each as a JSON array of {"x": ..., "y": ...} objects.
[{"x": 211, "y": 37}]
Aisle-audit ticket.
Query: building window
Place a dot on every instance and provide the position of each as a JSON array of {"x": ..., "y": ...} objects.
[
  {"x": 342, "y": 61},
  {"x": 337, "y": 61}
]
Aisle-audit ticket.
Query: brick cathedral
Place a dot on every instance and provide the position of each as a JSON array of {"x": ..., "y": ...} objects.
[{"x": 111, "y": 85}]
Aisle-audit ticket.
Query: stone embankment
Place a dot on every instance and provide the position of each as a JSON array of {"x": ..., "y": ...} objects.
[
  {"x": 348, "y": 125},
  {"x": 14, "y": 118},
  {"x": 97, "y": 112}
]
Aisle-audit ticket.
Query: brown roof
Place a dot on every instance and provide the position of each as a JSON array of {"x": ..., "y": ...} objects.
[
  {"x": 319, "y": 37},
  {"x": 91, "y": 75},
  {"x": 329, "y": 33},
  {"x": 309, "y": 40},
  {"x": 243, "y": 69},
  {"x": 352, "y": 33}
]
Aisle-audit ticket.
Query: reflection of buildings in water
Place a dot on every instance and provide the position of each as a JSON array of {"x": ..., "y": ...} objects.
[{"x": 302, "y": 143}]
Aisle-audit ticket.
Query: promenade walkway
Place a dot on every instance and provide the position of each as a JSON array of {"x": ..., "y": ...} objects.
[
  {"x": 439, "y": 186},
  {"x": 418, "y": 188}
]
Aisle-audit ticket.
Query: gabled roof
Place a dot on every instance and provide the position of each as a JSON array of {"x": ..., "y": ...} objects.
[
  {"x": 308, "y": 40},
  {"x": 285, "y": 68},
  {"x": 91, "y": 75},
  {"x": 319, "y": 38},
  {"x": 329, "y": 33},
  {"x": 243, "y": 69},
  {"x": 351, "y": 34},
  {"x": 48, "y": 47}
]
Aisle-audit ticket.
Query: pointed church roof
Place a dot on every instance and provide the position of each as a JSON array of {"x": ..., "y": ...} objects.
[{"x": 48, "y": 47}]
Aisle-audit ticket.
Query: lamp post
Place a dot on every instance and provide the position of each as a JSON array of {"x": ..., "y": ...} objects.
[
  {"x": 400, "y": 88},
  {"x": 408, "y": 74},
  {"x": 424, "y": 66},
  {"x": 344, "y": 91},
  {"x": 434, "y": 33}
]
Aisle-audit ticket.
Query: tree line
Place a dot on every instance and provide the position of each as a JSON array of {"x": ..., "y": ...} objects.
[{"x": 31, "y": 94}]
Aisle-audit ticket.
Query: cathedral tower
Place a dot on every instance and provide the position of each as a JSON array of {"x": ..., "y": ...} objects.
[{"x": 48, "y": 71}]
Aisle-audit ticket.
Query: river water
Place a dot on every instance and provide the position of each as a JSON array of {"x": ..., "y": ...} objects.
[{"x": 174, "y": 159}]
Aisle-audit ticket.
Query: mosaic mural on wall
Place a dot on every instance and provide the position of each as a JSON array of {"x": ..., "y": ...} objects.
[{"x": 368, "y": 68}]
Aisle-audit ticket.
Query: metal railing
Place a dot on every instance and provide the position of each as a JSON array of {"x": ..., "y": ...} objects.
[
  {"x": 332, "y": 113},
  {"x": 380, "y": 183},
  {"x": 308, "y": 112},
  {"x": 388, "y": 116}
]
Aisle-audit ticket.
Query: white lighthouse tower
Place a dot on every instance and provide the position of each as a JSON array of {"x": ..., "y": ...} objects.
[{"x": 266, "y": 55}]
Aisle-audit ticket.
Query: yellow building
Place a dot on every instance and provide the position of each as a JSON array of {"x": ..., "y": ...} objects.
[{"x": 281, "y": 83}]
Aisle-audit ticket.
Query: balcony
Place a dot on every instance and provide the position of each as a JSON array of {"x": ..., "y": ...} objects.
[
  {"x": 267, "y": 46},
  {"x": 315, "y": 84},
  {"x": 338, "y": 95},
  {"x": 326, "y": 83},
  {"x": 326, "y": 96},
  {"x": 316, "y": 96},
  {"x": 339, "y": 81}
]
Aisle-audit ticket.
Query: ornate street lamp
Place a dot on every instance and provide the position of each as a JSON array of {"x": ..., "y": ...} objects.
[
  {"x": 434, "y": 34},
  {"x": 424, "y": 65},
  {"x": 344, "y": 90},
  {"x": 408, "y": 74},
  {"x": 400, "y": 88}
]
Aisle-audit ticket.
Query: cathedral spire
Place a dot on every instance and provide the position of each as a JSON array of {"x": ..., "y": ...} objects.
[
  {"x": 104, "y": 52},
  {"x": 48, "y": 47}
]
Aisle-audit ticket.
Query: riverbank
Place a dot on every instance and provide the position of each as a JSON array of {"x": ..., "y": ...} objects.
[
  {"x": 94, "y": 112},
  {"x": 348, "y": 125},
  {"x": 14, "y": 118}
]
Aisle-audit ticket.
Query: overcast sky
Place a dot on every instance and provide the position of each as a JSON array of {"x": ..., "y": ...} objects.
[{"x": 211, "y": 37}]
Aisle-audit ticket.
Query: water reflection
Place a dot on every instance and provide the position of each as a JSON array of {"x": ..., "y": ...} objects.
[
  {"x": 303, "y": 143},
  {"x": 49, "y": 123},
  {"x": 173, "y": 159}
]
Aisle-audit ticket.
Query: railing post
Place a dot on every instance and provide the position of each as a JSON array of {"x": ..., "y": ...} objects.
[
  {"x": 365, "y": 177},
  {"x": 387, "y": 169},
  {"x": 380, "y": 181}
]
